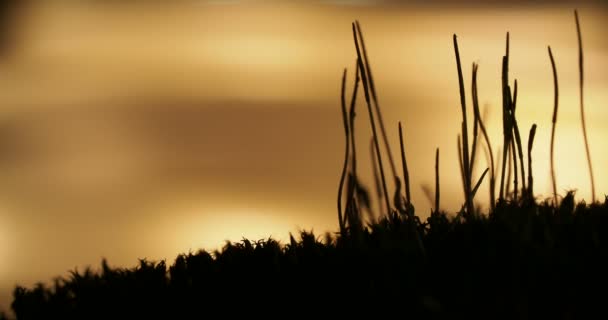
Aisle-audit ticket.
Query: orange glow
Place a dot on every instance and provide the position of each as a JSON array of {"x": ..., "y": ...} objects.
[
  {"x": 147, "y": 130},
  {"x": 211, "y": 231},
  {"x": 7, "y": 244}
]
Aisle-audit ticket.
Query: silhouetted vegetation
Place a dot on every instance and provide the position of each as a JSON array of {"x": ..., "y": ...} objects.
[
  {"x": 523, "y": 259},
  {"x": 518, "y": 262}
]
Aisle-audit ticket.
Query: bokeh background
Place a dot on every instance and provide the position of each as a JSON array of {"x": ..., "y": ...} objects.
[{"x": 144, "y": 129}]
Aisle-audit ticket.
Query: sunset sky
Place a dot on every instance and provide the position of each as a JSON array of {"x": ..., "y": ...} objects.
[{"x": 133, "y": 129}]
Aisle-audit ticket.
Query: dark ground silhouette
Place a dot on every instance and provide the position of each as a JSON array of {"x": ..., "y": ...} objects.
[{"x": 519, "y": 262}]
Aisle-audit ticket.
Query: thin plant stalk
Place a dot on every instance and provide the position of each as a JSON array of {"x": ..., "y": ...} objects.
[
  {"x": 515, "y": 179},
  {"x": 465, "y": 136},
  {"x": 513, "y": 148},
  {"x": 406, "y": 175},
  {"x": 581, "y": 85},
  {"x": 505, "y": 149},
  {"x": 372, "y": 88},
  {"x": 352, "y": 208},
  {"x": 376, "y": 175},
  {"x": 351, "y": 202},
  {"x": 507, "y": 135},
  {"x": 437, "y": 194},
  {"x": 353, "y": 164},
  {"x": 353, "y": 215},
  {"x": 530, "y": 179},
  {"x": 485, "y": 135},
  {"x": 346, "y": 153},
  {"x": 398, "y": 199},
  {"x": 371, "y": 115},
  {"x": 474, "y": 145},
  {"x": 480, "y": 181},
  {"x": 554, "y": 122},
  {"x": 475, "y": 119},
  {"x": 491, "y": 191},
  {"x": 509, "y": 160},
  {"x": 506, "y": 117},
  {"x": 351, "y": 117},
  {"x": 460, "y": 163},
  {"x": 518, "y": 139}
]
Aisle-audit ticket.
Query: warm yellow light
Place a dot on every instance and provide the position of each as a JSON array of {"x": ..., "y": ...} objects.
[
  {"x": 7, "y": 245},
  {"x": 93, "y": 96},
  {"x": 213, "y": 230},
  {"x": 191, "y": 225}
]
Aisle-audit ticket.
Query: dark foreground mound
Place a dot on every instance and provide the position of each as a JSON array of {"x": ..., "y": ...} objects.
[{"x": 521, "y": 261}]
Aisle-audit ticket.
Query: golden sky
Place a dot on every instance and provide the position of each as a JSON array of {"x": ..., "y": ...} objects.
[{"x": 131, "y": 130}]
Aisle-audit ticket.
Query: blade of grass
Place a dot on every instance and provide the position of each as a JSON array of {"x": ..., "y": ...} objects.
[
  {"x": 346, "y": 153},
  {"x": 485, "y": 135},
  {"x": 509, "y": 160},
  {"x": 476, "y": 114},
  {"x": 554, "y": 122},
  {"x": 506, "y": 106},
  {"x": 437, "y": 194},
  {"x": 354, "y": 214},
  {"x": 351, "y": 116},
  {"x": 465, "y": 136},
  {"x": 581, "y": 86},
  {"x": 480, "y": 181},
  {"x": 351, "y": 201},
  {"x": 506, "y": 137},
  {"x": 498, "y": 160},
  {"x": 460, "y": 162},
  {"x": 351, "y": 191},
  {"x": 491, "y": 190},
  {"x": 518, "y": 140},
  {"x": 514, "y": 161},
  {"x": 475, "y": 125},
  {"x": 371, "y": 115},
  {"x": 530, "y": 179},
  {"x": 377, "y": 182},
  {"x": 513, "y": 148},
  {"x": 375, "y": 100},
  {"x": 406, "y": 175},
  {"x": 398, "y": 200}
]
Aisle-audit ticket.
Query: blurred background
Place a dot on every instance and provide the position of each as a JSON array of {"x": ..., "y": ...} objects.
[{"x": 145, "y": 129}]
